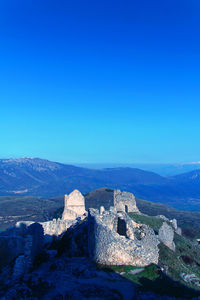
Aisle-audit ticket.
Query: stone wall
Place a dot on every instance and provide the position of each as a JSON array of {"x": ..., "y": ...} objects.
[
  {"x": 107, "y": 197},
  {"x": 124, "y": 201},
  {"x": 74, "y": 206},
  {"x": 115, "y": 239},
  {"x": 173, "y": 223},
  {"x": 54, "y": 227},
  {"x": 22, "y": 244},
  {"x": 166, "y": 236}
]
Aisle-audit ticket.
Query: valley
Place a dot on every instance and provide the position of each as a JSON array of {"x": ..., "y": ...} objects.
[{"x": 46, "y": 179}]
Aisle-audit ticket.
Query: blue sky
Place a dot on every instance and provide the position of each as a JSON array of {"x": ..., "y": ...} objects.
[{"x": 100, "y": 81}]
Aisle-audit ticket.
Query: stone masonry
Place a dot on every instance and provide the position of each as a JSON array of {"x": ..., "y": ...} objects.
[
  {"x": 166, "y": 236},
  {"x": 115, "y": 239},
  {"x": 124, "y": 201},
  {"x": 74, "y": 206}
]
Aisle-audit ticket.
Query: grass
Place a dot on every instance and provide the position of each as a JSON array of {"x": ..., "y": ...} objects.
[
  {"x": 152, "y": 279},
  {"x": 186, "y": 258},
  {"x": 122, "y": 268},
  {"x": 150, "y": 272},
  {"x": 188, "y": 221},
  {"x": 153, "y": 222}
]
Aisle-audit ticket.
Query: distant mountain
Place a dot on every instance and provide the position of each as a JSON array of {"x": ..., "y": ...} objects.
[
  {"x": 34, "y": 176},
  {"x": 189, "y": 177},
  {"x": 173, "y": 169},
  {"x": 188, "y": 183},
  {"x": 43, "y": 178},
  {"x": 161, "y": 169}
]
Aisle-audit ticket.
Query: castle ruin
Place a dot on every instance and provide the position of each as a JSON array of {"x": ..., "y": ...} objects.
[
  {"x": 115, "y": 239},
  {"x": 74, "y": 206},
  {"x": 125, "y": 201}
]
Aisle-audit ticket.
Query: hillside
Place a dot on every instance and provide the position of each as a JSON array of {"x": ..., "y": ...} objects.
[
  {"x": 46, "y": 179},
  {"x": 104, "y": 254},
  {"x": 185, "y": 259},
  {"x": 189, "y": 221},
  {"x": 29, "y": 208},
  {"x": 38, "y": 177},
  {"x": 16, "y": 208}
]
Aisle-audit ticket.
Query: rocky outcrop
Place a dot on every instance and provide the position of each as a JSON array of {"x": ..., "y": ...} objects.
[
  {"x": 21, "y": 244},
  {"x": 74, "y": 206},
  {"x": 191, "y": 278},
  {"x": 162, "y": 217},
  {"x": 10, "y": 247},
  {"x": 166, "y": 235},
  {"x": 115, "y": 239},
  {"x": 124, "y": 201},
  {"x": 173, "y": 222},
  {"x": 175, "y": 226}
]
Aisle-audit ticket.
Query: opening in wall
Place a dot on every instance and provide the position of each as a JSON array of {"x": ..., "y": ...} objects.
[{"x": 121, "y": 227}]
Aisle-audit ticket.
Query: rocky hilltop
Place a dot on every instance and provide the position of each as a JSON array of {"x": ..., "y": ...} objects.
[{"x": 36, "y": 259}]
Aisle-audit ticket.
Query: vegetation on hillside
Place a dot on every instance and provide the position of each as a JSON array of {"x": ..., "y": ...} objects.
[
  {"x": 187, "y": 220},
  {"x": 186, "y": 259}
]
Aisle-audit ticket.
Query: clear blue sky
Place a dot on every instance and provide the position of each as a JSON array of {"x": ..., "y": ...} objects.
[{"x": 100, "y": 81}]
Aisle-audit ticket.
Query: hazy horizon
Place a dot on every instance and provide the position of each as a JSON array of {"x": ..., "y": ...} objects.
[
  {"x": 102, "y": 163},
  {"x": 163, "y": 169}
]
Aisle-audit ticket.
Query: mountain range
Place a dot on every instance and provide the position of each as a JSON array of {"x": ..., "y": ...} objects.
[
  {"x": 43, "y": 178},
  {"x": 167, "y": 169}
]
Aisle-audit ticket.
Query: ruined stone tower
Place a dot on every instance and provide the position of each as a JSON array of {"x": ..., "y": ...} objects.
[
  {"x": 74, "y": 206},
  {"x": 124, "y": 201}
]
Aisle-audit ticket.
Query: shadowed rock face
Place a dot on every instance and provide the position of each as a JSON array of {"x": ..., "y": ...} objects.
[
  {"x": 23, "y": 242},
  {"x": 115, "y": 239},
  {"x": 74, "y": 206}
]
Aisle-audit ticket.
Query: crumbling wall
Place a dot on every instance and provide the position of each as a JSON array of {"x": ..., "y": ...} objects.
[
  {"x": 124, "y": 201},
  {"x": 54, "y": 227},
  {"x": 137, "y": 246},
  {"x": 74, "y": 206},
  {"x": 173, "y": 222},
  {"x": 166, "y": 235},
  {"x": 23, "y": 244}
]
